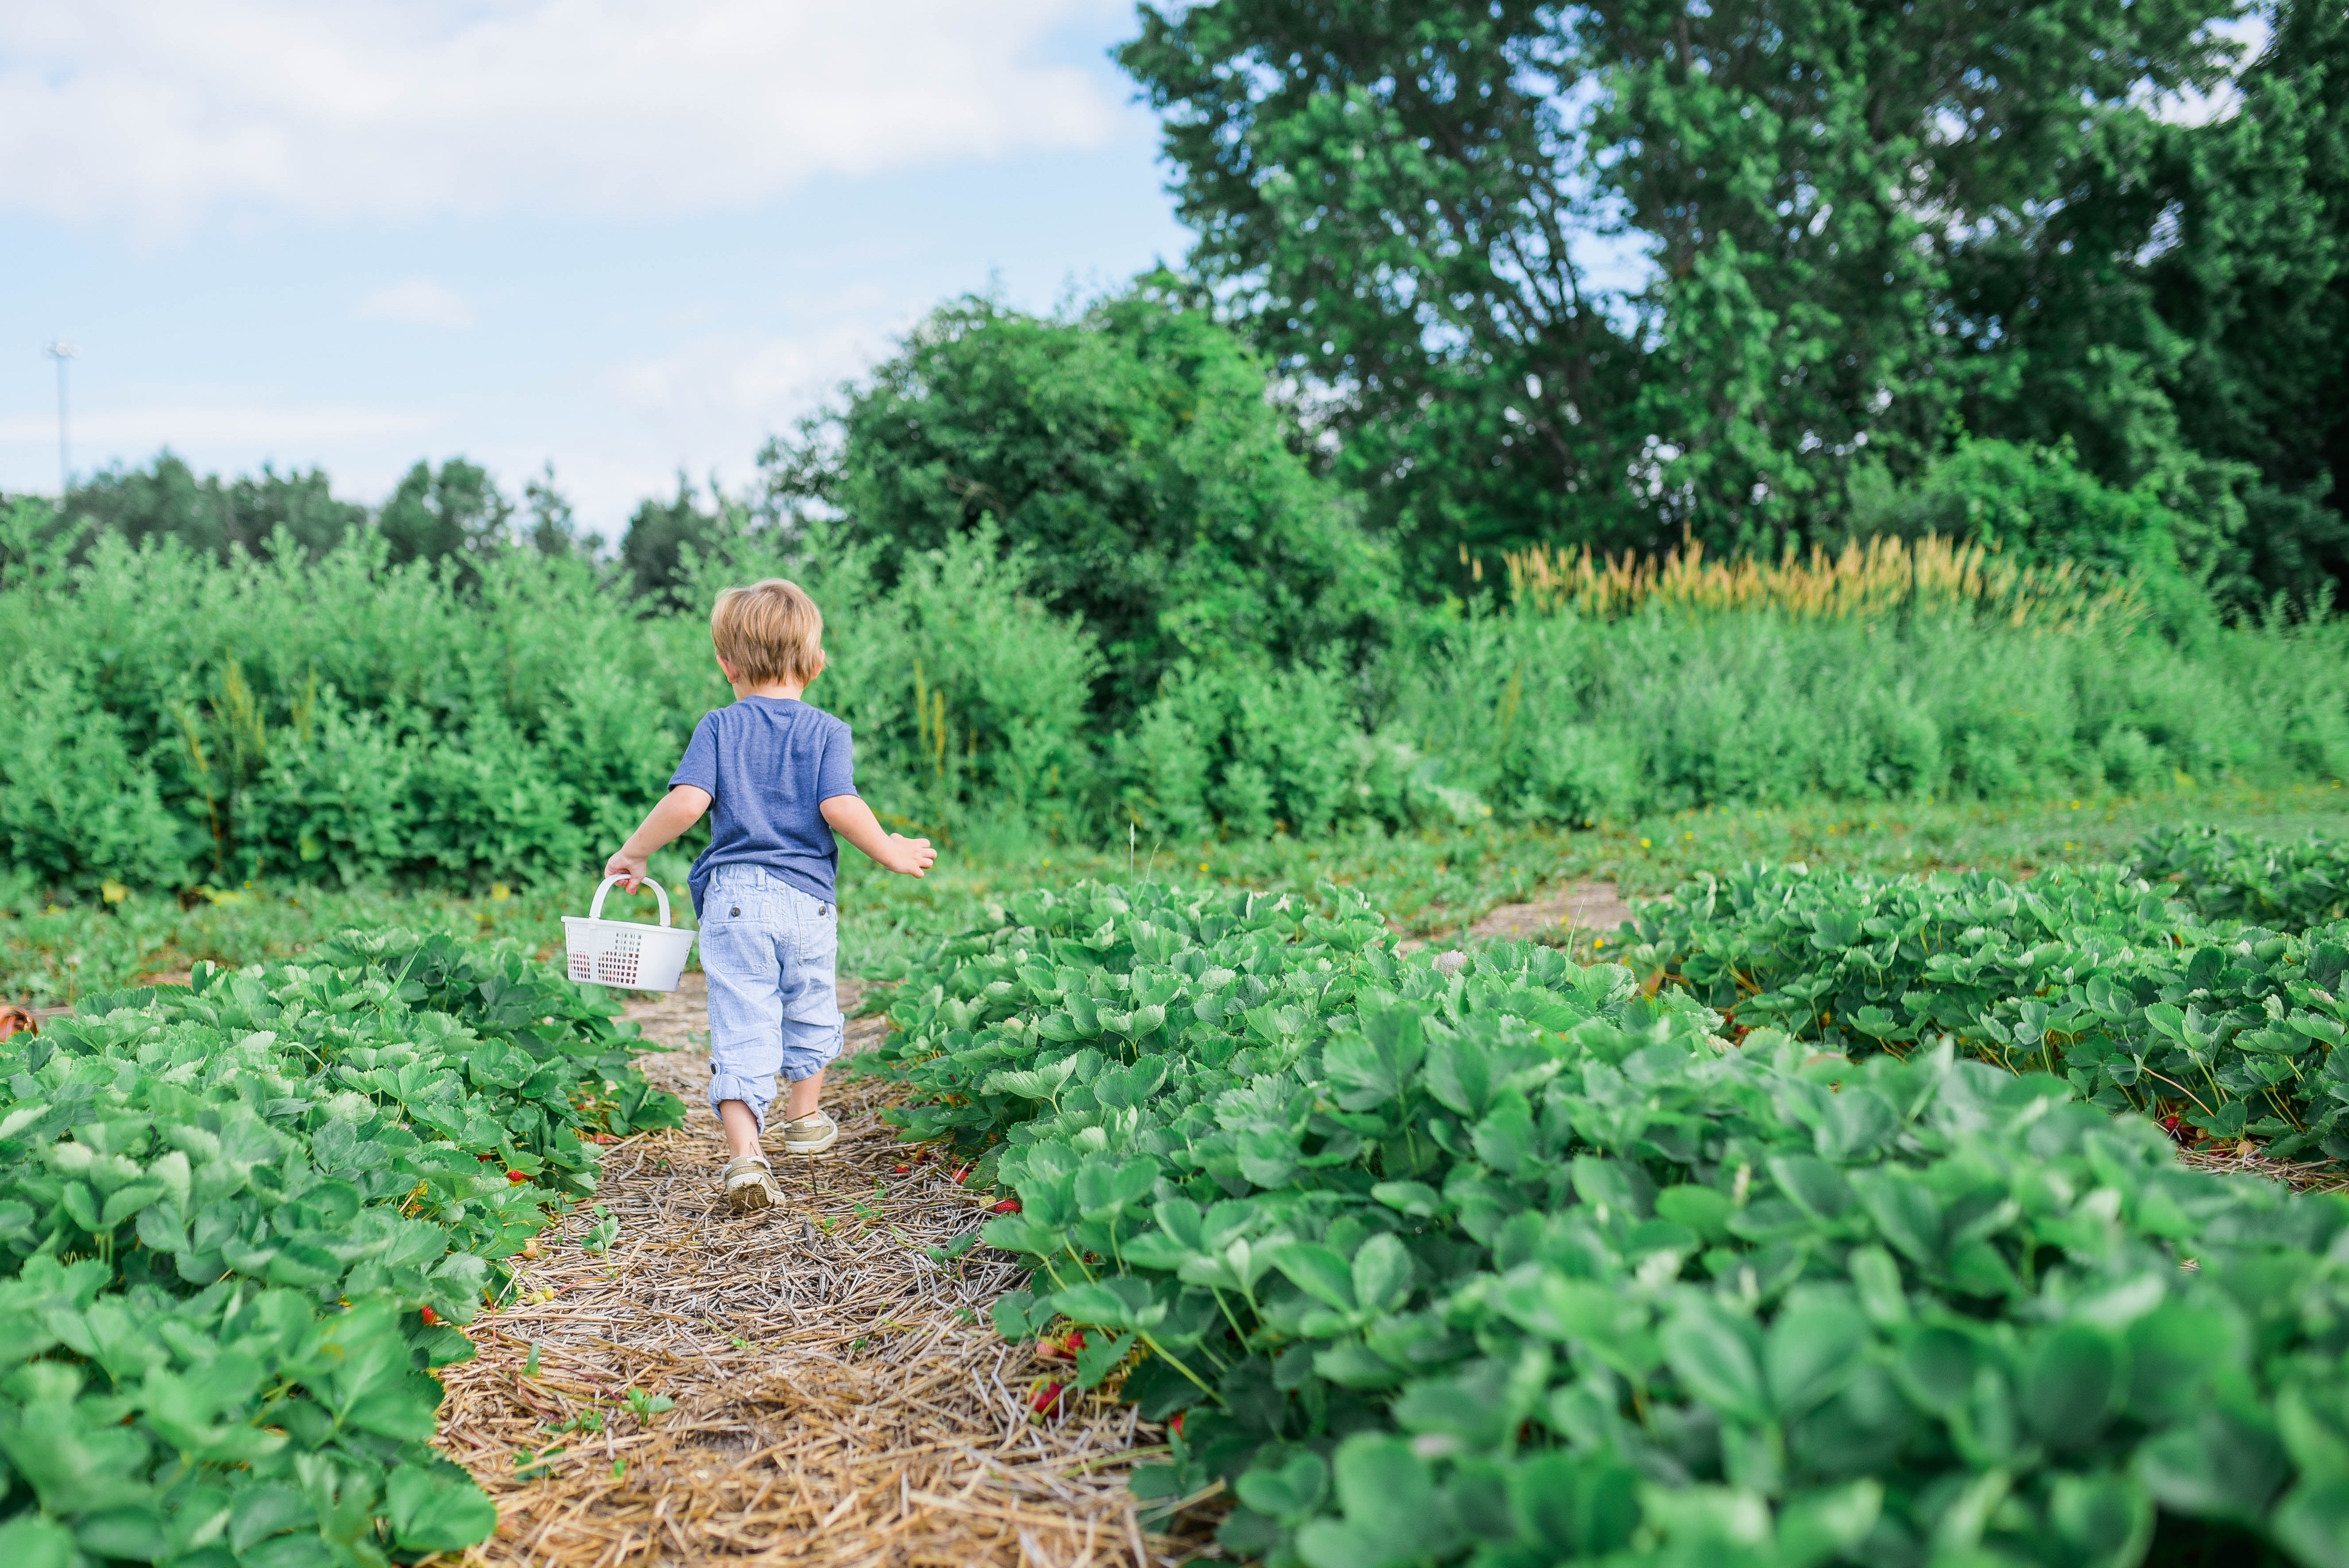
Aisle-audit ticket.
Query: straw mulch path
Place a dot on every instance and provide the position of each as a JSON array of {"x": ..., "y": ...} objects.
[{"x": 840, "y": 1398}]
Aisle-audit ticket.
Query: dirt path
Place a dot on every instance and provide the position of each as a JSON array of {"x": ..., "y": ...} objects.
[
  {"x": 839, "y": 1396},
  {"x": 1571, "y": 916}
]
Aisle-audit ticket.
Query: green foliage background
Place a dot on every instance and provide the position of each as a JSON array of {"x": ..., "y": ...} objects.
[{"x": 1216, "y": 556}]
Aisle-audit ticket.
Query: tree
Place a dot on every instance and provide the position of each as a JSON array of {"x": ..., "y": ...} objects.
[
  {"x": 653, "y": 550},
  {"x": 2256, "y": 289},
  {"x": 553, "y": 527},
  {"x": 456, "y": 510},
  {"x": 1132, "y": 451},
  {"x": 1409, "y": 203},
  {"x": 167, "y": 499}
]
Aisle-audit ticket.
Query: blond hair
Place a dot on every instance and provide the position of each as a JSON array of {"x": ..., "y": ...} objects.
[{"x": 770, "y": 631}]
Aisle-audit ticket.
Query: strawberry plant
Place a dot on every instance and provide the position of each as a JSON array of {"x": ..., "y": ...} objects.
[
  {"x": 1520, "y": 1262},
  {"x": 2287, "y": 886},
  {"x": 2088, "y": 973},
  {"x": 241, "y": 1220}
]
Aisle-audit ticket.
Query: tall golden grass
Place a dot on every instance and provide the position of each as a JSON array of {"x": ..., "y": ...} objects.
[{"x": 1881, "y": 577}]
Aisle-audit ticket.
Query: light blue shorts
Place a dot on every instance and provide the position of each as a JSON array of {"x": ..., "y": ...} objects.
[{"x": 769, "y": 951}]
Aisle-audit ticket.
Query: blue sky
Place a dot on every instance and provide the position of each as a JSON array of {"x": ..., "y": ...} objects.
[{"x": 622, "y": 238}]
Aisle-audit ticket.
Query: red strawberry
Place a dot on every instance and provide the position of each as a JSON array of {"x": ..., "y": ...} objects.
[
  {"x": 962, "y": 1175},
  {"x": 485, "y": 1158},
  {"x": 432, "y": 1319},
  {"x": 1046, "y": 1399},
  {"x": 516, "y": 1178},
  {"x": 900, "y": 1170},
  {"x": 1175, "y": 1425},
  {"x": 1008, "y": 1206}
]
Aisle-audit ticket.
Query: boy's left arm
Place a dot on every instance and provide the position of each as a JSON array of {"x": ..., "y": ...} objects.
[
  {"x": 853, "y": 820},
  {"x": 679, "y": 809}
]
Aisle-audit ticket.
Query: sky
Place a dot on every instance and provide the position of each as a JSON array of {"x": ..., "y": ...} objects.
[{"x": 626, "y": 239}]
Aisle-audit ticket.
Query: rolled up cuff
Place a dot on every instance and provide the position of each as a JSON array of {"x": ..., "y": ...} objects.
[{"x": 754, "y": 1092}]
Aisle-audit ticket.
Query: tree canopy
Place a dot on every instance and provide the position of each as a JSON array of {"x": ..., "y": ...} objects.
[{"x": 1608, "y": 273}]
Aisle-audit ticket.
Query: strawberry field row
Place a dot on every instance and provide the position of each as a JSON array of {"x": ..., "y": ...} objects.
[
  {"x": 241, "y": 1222},
  {"x": 1516, "y": 1261}
]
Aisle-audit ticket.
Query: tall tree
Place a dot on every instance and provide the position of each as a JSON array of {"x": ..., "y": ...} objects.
[
  {"x": 1412, "y": 203},
  {"x": 2256, "y": 288}
]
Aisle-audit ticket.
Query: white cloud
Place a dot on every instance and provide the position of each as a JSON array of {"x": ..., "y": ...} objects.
[
  {"x": 418, "y": 301},
  {"x": 155, "y": 112}
]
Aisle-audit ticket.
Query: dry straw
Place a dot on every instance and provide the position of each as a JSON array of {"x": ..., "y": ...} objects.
[
  {"x": 1885, "y": 576},
  {"x": 839, "y": 1398}
]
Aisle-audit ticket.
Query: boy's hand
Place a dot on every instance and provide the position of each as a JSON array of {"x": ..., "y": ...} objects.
[
  {"x": 909, "y": 857},
  {"x": 853, "y": 820},
  {"x": 627, "y": 866}
]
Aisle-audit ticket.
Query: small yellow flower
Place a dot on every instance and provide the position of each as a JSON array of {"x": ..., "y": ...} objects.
[
  {"x": 1202, "y": 865},
  {"x": 112, "y": 892},
  {"x": 499, "y": 892},
  {"x": 1643, "y": 843}
]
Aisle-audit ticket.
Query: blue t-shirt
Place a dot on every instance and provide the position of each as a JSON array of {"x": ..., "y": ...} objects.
[{"x": 768, "y": 763}]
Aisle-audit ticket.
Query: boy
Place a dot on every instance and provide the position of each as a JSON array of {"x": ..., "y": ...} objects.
[{"x": 781, "y": 778}]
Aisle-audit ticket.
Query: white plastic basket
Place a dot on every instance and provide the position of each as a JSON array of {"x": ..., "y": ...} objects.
[{"x": 622, "y": 953}]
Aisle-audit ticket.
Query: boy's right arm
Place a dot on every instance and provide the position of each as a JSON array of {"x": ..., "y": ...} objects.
[
  {"x": 679, "y": 809},
  {"x": 853, "y": 820}
]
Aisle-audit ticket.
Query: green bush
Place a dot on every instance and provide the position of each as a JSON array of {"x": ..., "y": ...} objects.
[
  {"x": 507, "y": 716},
  {"x": 1565, "y": 719},
  {"x": 241, "y": 1221},
  {"x": 1134, "y": 452},
  {"x": 1515, "y": 1263}
]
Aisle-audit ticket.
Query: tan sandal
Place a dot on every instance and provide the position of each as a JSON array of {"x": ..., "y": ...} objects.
[
  {"x": 810, "y": 1134},
  {"x": 750, "y": 1184}
]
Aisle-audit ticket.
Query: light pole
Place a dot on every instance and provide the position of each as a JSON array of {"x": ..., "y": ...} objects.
[{"x": 62, "y": 351}]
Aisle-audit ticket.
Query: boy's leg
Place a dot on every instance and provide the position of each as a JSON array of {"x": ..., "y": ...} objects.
[
  {"x": 741, "y": 1127},
  {"x": 741, "y": 958},
  {"x": 806, "y": 1098},
  {"x": 812, "y": 1025}
]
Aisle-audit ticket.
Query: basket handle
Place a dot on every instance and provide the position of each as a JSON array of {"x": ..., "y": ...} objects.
[{"x": 595, "y": 910}]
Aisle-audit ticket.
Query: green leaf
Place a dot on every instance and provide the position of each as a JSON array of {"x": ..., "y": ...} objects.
[
  {"x": 2311, "y": 1522},
  {"x": 1319, "y": 1273},
  {"x": 2107, "y": 1521},
  {"x": 1716, "y": 1357},
  {"x": 1289, "y": 1491},
  {"x": 1817, "y": 1187},
  {"x": 1098, "y": 1360},
  {"x": 1415, "y": 1198},
  {"x": 1011, "y": 1314},
  {"x": 1813, "y": 1347},
  {"x": 440, "y": 1511},
  {"x": 1103, "y": 1189},
  {"x": 1817, "y": 1527},
  {"x": 2220, "y": 1463},
  {"x": 1906, "y": 1214},
  {"x": 1575, "y": 1507},
  {"x": 1701, "y": 1209},
  {"x": 1382, "y": 1275},
  {"x": 1388, "y": 1496},
  {"x": 2071, "y": 1384},
  {"x": 29, "y": 1541},
  {"x": 1120, "y": 1302}
]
